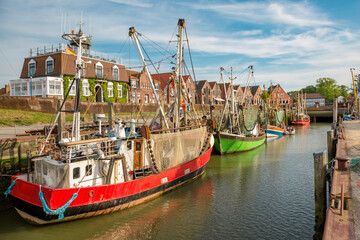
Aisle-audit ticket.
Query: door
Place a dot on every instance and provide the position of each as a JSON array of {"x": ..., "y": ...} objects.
[{"x": 138, "y": 154}]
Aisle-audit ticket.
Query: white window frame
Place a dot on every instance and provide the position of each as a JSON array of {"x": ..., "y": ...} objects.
[
  {"x": 73, "y": 88},
  {"x": 119, "y": 89},
  {"x": 49, "y": 59},
  {"x": 113, "y": 72},
  {"x": 99, "y": 64},
  {"x": 110, "y": 89},
  {"x": 86, "y": 88},
  {"x": 32, "y": 61}
]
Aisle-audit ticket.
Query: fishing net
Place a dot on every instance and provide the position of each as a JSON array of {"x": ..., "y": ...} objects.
[
  {"x": 51, "y": 174},
  {"x": 279, "y": 117},
  {"x": 250, "y": 117},
  {"x": 171, "y": 149}
]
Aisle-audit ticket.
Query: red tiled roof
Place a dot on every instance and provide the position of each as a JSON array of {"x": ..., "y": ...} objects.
[{"x": 163, "y": 78}]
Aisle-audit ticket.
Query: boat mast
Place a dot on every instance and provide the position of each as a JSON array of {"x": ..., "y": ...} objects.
[
  {"x": 133, "y": 34},
  {"x": 353, "y": 80},
  {"x": 179, "y": 59}
]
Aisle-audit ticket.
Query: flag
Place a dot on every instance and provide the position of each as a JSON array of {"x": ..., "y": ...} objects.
[{"x": 69, "y": 50}]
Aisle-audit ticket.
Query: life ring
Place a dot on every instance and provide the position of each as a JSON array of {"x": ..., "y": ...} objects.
[
  {"x": 47, "y": 147},
  {"x": 56, "y": 153}
]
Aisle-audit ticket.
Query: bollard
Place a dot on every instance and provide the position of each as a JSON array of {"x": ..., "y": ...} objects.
[{"x": 320, "y": 188}]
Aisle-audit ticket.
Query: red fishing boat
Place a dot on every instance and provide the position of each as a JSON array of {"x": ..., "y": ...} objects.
[
  {"x": 303, "y": 119},
  {"x": 76, "y": 178}
]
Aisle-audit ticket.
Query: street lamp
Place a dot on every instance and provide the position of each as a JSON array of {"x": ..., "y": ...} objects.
[{"x": 31, "y": 75}]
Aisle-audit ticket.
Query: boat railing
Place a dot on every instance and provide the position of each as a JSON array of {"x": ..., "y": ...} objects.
[{"x": 98, "y": 149}]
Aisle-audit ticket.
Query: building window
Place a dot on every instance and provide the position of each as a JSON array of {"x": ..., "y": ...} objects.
[
  {"x": 99, "y": 70},
  {"x": 110, "y": 89},
  {"x": 73, "y": 88},
  {"x": 116, "y": 73},
  {"x": 32, "y": 67},
  {"x": 146, "y": 98},
  {"x": 54, "y": 87},
  {"x": 49, "y": 65},
  {"x": 119, "y": 88},
  {"x": 86, "y": 88}
]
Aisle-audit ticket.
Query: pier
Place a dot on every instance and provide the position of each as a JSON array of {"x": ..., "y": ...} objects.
[{"x": 342, "y": 215}]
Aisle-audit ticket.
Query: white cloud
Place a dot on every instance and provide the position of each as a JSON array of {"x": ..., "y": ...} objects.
[
  {"x": 299, "y": 14},
  {"x": 136, "y": 3}
]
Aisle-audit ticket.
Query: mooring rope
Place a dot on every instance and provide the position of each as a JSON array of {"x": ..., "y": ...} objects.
[{"x": 60, "y": 211}]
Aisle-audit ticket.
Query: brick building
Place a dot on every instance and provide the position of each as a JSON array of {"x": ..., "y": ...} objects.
[
  {"x": 140, "y": 90},
  {"x": 256, "y": 95},
  {"x": 203, "y": 92},
  {"x": 216, "y": 93},
  {"x": 48, "y": 72},
  {"x": 278, "y": 95},
  {"x": 167, "y": 88}
]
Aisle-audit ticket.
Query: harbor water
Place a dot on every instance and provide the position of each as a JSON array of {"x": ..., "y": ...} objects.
[{"x": 267, "y": 193}]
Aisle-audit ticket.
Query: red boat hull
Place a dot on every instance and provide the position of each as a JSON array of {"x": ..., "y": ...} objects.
[
  {"x": 92, "y": 201},
  {"x": 300, "y": 122}
]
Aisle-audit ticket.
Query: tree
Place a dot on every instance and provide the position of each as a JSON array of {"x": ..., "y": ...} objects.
[
  {"x": 309, "y": 89},
  {"x": 328, "y": 88},
  {"x": 264, "y": 96},
  {"x": 344, "y": 91},
  {"x": 292, "y": 92}
]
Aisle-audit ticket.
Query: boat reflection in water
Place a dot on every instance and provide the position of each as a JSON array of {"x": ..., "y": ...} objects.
[{"x": 153, "y": 219}]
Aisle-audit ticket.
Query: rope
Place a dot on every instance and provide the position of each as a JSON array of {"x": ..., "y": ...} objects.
[
  {"x": 8, "y": 191},
  {"x": 60, "y": 211}
]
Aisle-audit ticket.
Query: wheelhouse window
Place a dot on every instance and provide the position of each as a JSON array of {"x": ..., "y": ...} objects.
[
  {"x": 110, "y": 89},
  {"x": 86, "y": 88},
  {"x": 88, "y": 170},
  {"x": 76, "y": 172},
  {"x": 120, "y": 88}
]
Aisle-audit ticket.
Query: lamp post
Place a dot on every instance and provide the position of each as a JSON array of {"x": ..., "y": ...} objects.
[{"x": 31, "y": 84}]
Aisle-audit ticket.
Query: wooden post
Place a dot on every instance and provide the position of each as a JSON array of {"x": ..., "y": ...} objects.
[
  {"x": 61, "y": 120},
  {"x": 19, "y": 157},
  {"x": 314, "y": 119},
  {"x": 320, "y": 188},
  {"x": 335, "y": 110},
  {"x": 330, "y": 145},
  {"x": 111, "y": 115}
]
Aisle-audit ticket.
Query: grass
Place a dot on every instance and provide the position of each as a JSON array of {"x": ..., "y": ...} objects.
[{"x": 10, "y": 117}]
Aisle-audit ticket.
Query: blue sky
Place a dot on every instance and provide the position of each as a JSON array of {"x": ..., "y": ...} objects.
[{"x": 289, "y": 42}]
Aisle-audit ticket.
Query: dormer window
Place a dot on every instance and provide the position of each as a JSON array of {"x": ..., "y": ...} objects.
[
  {"x": 99, "y": 70},
  {"x": 49, "y": 65},
  {"x": 116, "y": 73},
  {"x": 32, "y": 67}
]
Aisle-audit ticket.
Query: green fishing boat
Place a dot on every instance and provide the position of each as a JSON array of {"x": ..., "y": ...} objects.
[{"x": 238, "y": 129}]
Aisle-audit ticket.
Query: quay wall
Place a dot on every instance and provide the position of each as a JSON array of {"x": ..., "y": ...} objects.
[{"x": 49, "y": 105}]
